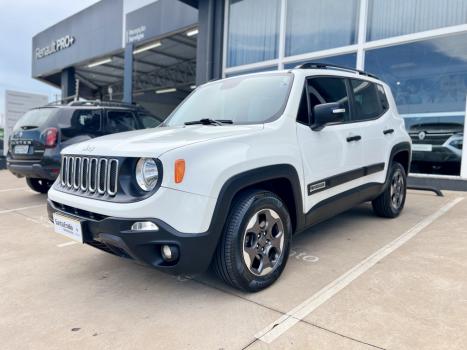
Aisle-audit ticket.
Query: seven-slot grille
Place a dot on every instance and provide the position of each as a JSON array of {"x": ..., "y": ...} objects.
[{"x": 89, "y": 174}]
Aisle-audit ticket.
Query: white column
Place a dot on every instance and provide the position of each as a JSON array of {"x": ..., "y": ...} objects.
[
  {"x": 362, "y": 25},
  {"x": 225, "y": 36},
  {"x": 282, "y": 29}
]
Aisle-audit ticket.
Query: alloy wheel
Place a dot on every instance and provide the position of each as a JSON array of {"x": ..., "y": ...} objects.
[
  {"x": 263, "y": 242},
  {"x": 397, "y": 190}
]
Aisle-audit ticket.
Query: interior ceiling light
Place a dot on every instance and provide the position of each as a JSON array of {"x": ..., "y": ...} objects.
[
  {"x": 98, "y": 63},
  {"x": 192, "y": 32},
  {"x": 165, "y": 91},
  {"x": 147, "y": 47}
]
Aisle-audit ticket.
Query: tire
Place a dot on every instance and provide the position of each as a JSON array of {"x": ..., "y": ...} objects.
[
  {"x": 39, "y": 185},
  {"x": 254, "y": 213},
  {"x": 391, "y": 202}
]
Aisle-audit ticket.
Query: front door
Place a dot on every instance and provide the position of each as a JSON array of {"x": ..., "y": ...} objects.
[{"x": 332, "y": 156}]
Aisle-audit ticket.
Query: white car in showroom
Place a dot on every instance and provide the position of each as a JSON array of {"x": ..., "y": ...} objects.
[{"x": 235, "y": 171}]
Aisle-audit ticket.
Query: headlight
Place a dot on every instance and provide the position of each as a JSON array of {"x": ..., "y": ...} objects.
[{"x": 147, "y": 174}]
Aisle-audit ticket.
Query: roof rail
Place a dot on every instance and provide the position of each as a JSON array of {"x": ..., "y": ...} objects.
[
  {"x": 318, "y": 65},
  {"x": 61, "y": 102},
  {"x": 99, "y": 103}
]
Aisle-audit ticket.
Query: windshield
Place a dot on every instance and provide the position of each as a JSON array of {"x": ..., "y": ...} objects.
[
  {"x": 251, "y": 99},
  {"x": 34, "y": 118}
]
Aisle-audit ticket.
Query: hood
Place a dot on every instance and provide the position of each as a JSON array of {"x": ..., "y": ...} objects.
[{"x": 156, "y": 141}]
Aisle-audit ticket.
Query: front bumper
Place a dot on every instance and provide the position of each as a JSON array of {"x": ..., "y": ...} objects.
[{"x": 114, "y": 235}]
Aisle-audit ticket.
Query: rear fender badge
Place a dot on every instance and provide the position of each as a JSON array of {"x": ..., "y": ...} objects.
[{"x": 317, "y": 186}]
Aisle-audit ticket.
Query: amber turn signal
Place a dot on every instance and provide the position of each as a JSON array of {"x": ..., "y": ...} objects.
[{"x": 179, "y": 170}]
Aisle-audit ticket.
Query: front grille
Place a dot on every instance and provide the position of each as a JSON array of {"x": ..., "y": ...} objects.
[
  {"x": 432, "y": 139},
  {"x": 90, "y": 175}
]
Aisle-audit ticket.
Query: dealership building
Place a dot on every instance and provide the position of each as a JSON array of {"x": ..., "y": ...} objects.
[{"x": 156, "y": 52}]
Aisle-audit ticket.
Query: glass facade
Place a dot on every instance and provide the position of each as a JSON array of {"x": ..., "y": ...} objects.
[
  {"x": 312, "y": 25},
  {"x": 429, "y": 82},
  {"x": 398, "y": 17},
  {"x": 428, "y": 74},
  {"x": 253, "y": 32},
  {"x": 346, "y": 60},
  {"x": 249, "y": 71}
]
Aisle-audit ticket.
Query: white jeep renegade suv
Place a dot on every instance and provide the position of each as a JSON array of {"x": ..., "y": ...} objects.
[{"x": 235, "y": 171}]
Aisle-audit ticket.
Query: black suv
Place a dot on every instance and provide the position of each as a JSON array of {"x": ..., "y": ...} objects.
[{"x": 40, "y": 135}]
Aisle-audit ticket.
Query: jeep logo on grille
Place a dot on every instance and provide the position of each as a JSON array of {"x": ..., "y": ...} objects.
[
  {"x": 88, "y": 148},
  {"x": 422, "y": 135}
]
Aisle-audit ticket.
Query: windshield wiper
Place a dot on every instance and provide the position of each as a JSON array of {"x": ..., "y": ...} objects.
[
  {"x": 209, "y": 121},
  {"x": 27, "y": 127}
]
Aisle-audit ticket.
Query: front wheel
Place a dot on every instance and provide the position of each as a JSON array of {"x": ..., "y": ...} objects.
[
  {"x": 255, "y": 244},
  {"x": 39, "y": 185},
  {"x": 390, "y": 203}
]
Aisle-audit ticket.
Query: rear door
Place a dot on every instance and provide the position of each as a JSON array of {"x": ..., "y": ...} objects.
[
  {"x": 333, "y": 155},
  {"x": 77, "y": 125},
  {"x": 120, "y": 121},
  {"x": 369, "y": 114}
]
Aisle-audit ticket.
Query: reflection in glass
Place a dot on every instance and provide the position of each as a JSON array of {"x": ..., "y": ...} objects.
[
  {"x": 387, "y": 18},
  {"x": 253, "y": 34},
  {"x": 249, "y": 71},
  {"x": 314, "y": 25},
  {"x": 347, "y": 60},
  {"x": 429, "y": 83}
]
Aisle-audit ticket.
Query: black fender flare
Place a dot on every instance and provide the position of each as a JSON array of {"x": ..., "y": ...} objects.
[
  {"x": 249, "y": 178},
  {"x": 397, "y": 148}
]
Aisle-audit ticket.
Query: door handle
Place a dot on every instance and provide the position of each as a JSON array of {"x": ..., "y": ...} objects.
[
  {"x": 388, "y": 131},
  {"x": 354, "y": 138}
]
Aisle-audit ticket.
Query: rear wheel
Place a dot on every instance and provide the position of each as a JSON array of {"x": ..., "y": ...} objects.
[
  {"x": 390, "y": 203},
  {"x": 39, "y": 185},
  {"x": 255, "y": 244}
]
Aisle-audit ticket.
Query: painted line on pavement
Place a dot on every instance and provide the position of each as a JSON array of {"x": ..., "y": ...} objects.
[
  {"x": 14, "y": 189},
  {"x": 66, "y": 244},
  {"x": 19, "y": 209},
  {"x": 288, "y": 320}
]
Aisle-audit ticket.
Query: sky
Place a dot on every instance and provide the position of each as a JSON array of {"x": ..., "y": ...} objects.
[{"x": 20, "y": 20}]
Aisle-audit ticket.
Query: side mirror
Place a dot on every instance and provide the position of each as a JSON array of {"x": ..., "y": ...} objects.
[{"x": 327, "y": 113}]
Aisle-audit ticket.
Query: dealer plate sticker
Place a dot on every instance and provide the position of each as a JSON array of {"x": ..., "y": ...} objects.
[
  {"x": 21, "y": 149},
  {"x": 68, "y": 227}
]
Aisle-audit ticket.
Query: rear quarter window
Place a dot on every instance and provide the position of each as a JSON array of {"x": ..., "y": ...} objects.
[{"x": 367, "y": 103}]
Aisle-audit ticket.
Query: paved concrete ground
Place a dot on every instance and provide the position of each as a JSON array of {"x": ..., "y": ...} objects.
[{"x": 56, "y": 295}]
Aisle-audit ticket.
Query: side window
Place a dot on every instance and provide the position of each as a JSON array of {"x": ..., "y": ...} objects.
[
  {"x": 327, "y": 90},
  {"x": 382, "y": 97},
  {"x": 87, "y": 120},
  {"x": 119, "y": 121},
  {"x": 367, "y": 100}
]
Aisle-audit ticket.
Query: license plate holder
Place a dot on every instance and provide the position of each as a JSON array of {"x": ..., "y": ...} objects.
[
  {"x": 422, "y": 147},
  {"x": 21, "y": 149},
  {"x": 68, "y": 227}
]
